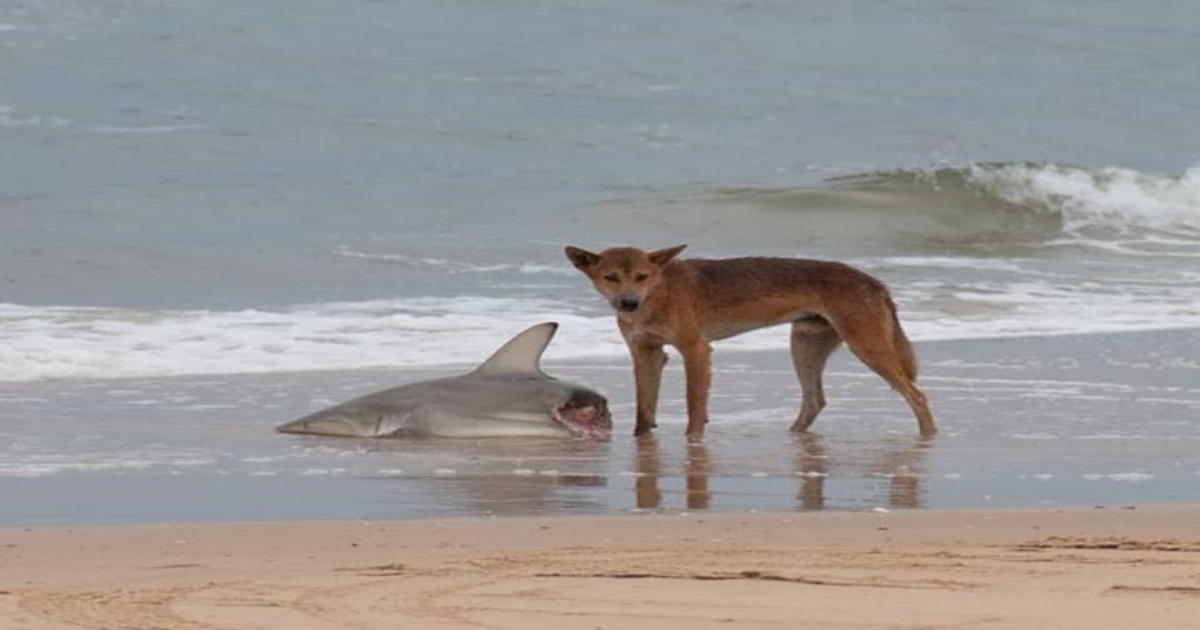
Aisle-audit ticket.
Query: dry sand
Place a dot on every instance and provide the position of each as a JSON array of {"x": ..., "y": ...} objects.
[{"x": 1079, "y": 568}]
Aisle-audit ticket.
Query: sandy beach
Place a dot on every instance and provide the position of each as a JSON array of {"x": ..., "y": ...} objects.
[
  {"x": 1077, "y": 568},
  {"x": 219, "y": 217}
]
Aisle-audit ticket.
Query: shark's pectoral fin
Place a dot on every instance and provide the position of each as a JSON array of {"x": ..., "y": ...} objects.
[{"x": 522, "y": 354}]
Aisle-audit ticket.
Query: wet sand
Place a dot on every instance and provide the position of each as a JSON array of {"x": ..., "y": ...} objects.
[{"x": 1081, "y": 568}]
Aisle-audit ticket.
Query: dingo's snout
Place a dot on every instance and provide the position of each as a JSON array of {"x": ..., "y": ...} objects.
[{"x": 627, "y": 303}]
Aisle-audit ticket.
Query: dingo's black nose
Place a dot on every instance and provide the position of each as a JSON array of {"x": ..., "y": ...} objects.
[{"x": 627, "y": 303}]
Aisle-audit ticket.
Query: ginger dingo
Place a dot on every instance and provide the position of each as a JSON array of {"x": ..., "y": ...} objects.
[{"x": 690, "y": 303}]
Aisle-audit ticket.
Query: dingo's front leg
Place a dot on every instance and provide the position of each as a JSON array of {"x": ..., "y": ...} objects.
[
  {"x": 648, "y": 362},
  {"x": 698, "y": 372}
]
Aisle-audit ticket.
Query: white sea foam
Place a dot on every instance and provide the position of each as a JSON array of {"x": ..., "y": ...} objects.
[
  {"x": 38, "y": 462},
  {"x": 47, "y": 467},
  {"x": 948, "y": 262},
  {"x": 1125, "y": 476},
  {"x": 59, "y": 342},
  {"x": 11, "y": 118},
  {"x": 77, "y": 342},
  {"x": 146, "y": 129},
  {"x": 1110, "y": 437},
  {"x": 1024, "y": 308},
  {"x": 1033, "y": 436},
  {"x": 85, "y": 342}
]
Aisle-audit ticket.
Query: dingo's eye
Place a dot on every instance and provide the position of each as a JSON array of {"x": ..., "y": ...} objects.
[
  {"x": 641, "y": 277},
  {"x": 612, "y": 277}
]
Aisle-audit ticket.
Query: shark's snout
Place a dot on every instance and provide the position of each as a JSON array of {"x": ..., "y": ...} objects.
[{"x": 585, "y": 414}]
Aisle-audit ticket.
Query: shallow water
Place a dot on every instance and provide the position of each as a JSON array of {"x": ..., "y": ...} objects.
[{"x": 1108, "y": 420}]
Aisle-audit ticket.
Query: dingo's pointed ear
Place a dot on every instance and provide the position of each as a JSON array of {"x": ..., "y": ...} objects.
[
  {"x": 661, "y": 257},
  {"x": 581, "y": 258}
]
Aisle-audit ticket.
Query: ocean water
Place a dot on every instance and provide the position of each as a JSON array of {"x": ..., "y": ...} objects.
[{"x": 226, "y": 188}]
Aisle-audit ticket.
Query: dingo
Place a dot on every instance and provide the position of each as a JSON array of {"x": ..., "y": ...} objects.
[{"x": 692, "y": 302}]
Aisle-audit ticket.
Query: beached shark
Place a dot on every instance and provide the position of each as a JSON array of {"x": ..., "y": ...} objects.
[{"x": 507, "y": 396}]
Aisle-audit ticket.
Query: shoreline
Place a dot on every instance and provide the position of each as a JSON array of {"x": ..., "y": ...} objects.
[
  {"x": 1111, "y": 568},
  {"x": 1077, "y": 420},
  {"x": 1156, "y": 511}
]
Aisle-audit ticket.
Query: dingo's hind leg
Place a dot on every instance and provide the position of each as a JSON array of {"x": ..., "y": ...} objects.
[
  {"x": 813, "y": 341},
  {"x": 873, "y": 339}
]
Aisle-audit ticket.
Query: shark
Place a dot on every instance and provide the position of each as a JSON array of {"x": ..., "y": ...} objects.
[{"x": 508, "y": 395}]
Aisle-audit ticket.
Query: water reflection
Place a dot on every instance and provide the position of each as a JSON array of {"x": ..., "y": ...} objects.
[
  {"x": 697, "y": 469},
  {"x": 904, "y": 467},
  {"x": 648, "y": 465},
  {"x": 507, "y": 477},
  {"x": 812, "y": 468},
  {"x": 893, "y": 473},
  {"x": 518, "y": 495},
  {"x": 723, "y": 472}
]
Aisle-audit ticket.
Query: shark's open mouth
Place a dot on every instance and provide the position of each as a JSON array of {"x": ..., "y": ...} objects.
[{"x": 585, "y": 416}]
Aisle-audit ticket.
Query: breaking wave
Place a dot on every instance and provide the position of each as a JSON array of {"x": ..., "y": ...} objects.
[
  {"x": 1110, "y": 198},
  {"x": 1013, "y": 200}
]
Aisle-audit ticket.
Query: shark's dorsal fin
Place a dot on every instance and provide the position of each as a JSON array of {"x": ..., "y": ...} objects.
[{"x": 521, "y": 355}]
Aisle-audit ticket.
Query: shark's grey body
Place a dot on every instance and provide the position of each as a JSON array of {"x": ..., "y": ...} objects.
[{"x": 507, "y": 396}]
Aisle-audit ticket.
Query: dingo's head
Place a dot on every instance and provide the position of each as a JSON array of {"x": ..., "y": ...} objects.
[{"x": 623, "y": 275}]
